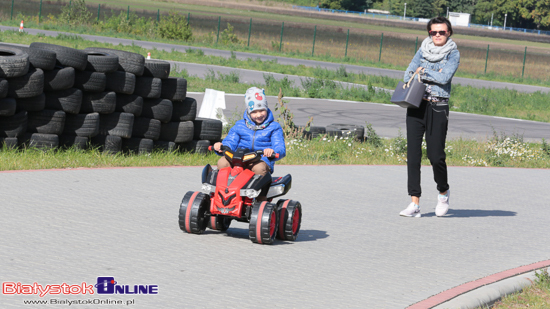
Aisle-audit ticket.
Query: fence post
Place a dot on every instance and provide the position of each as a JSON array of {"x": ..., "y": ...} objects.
[
  {"x": 281, "y": 43},
  {"x": 381, "y": 41},
  {"x": 128, "y": 14},
  {"x": 188, "y": 17},
  {"x": 524, "y": 56},
  {"x": 347, "y": 41},
  {"x": 219, "y": 22},
  {"x": 249, "y": 31},
  {"x": 98, "y": 10},
  {"x": 12, "y": 8},
  {"x": 486, "y": 58},
  {"x": 314, "y": 35},
  {"x": 158, "y": 15},
  {"x": 416, "y": 46},
  {"x": 40, "y": 12}
]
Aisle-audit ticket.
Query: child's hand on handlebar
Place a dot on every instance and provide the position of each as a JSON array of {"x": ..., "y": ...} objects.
[
  {"x": 218, "y": 147},
  {"x": 268, "y": 152}
]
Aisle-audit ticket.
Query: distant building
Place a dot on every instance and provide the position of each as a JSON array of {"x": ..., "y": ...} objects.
[
  {"x": 378, "y": 11},
  {"x": 459, "y": 19}
]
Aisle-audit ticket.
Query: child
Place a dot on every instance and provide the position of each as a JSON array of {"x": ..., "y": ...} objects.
[{"x": 256, "y": 131}]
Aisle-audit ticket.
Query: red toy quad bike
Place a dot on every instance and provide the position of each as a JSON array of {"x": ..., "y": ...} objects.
[{"x": 230, "y": 194}]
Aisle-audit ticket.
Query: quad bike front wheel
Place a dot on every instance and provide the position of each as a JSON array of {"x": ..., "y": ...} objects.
[
  {"x": 192, "y": 212},
  {"x": 290, "y": 219},
  {"x": 263, "y": 223},
  {"x": 219, "y": 223}
]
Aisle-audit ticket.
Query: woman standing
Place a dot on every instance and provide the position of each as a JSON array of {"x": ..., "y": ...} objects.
[{"x": 436, "y": 62}]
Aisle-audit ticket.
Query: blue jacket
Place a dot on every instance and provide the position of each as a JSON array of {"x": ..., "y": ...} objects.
[
  {"x": 440, "y": 81},
  {"x": 258, "y": 138}
]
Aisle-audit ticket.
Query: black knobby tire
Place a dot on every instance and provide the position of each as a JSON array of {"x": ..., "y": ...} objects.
[
  {"x": 8, "y": 106},
  {"x": 178, "y": 132},
  {"x": 83, "y": 125},
  {"x": 38, "y": 58},
  {"x": 27, "y": 85},
  {"x": 46, "y": 122},
  {"x": 197, "y": 146},
  {"x": 290, "y": 219},
  {"x": 174, "y": 88},
  {"x": 185, "y": 110},
  {"x": 3, "y": 88},
  {"x": 137, "y": 145},
  {"x": 160, "y": 109},
  {"x": 263, "y": 223},
  {"x": 210, "y": 129},
  {"x": 9, "y": 142},
  {"x": 121, "y": 82},
  {"x": 129, "y": 103},
  {"x": 107, "y": 143},
  {"x": 314, "y": 131},
  {"x": 146, "y": 128},
  {"x": 66, "y": 56},
  {"x": 98, "y": 102},
  {"x": 90, "y": 81},
  {"x": 101, "y": 61},
  {"x": 346, "y": 131},
  {"x": 59, "y": 79},
  {"x": 14, "y": 62},
  {"x": 116, "y": 124},
  {"x": 219, "y": 223},
  {"x": 156, "y": 68},
  {"x": 41, "y": 141},
  {"x": 71, "y": 141},
  {"x": 127, "y": 61},
  {"x": 14, "y": 126},
  {"x": 192, "y": 211},
  {"x": 148, "y": 87},
  {"x": 68, "y": 100},
  {"x": 32, "y": 104},
  {"x": 165, "y": 146}
]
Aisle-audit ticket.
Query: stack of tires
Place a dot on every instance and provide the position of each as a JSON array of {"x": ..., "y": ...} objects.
[{"x": 52, "y": 96}]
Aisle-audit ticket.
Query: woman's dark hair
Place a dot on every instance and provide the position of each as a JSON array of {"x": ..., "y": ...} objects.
[{"x": 440, "y": 20}]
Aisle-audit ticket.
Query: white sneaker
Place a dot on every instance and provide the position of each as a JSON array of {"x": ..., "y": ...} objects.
[
  {"x": 442, "y": 204},
  {"x": 412, "y": 210}
]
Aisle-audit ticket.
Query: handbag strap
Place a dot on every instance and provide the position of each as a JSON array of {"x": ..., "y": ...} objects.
[{"x": 407, "y": 85}]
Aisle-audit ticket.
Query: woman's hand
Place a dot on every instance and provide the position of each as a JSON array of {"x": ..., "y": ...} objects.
[
  {"x": 419, "y": 69},
  {"x": 218, "y": 146}
]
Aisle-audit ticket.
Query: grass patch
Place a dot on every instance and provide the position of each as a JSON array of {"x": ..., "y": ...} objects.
[{"x": 536, "y": 296}]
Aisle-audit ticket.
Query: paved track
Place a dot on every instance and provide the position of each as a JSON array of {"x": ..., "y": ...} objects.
[{"x": 354, "y": 251}]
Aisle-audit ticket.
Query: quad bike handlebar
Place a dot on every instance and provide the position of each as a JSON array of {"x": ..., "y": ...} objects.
[{"x": 259, "y": 152}]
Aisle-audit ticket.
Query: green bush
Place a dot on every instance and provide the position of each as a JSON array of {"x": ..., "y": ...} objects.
[
  {"x": 175, "y": 27},
  {"x": 228, "y": 36},
  {"x": 76, "y": 13}
]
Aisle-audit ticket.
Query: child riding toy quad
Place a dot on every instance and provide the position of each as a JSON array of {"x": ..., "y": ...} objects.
[{"x": 230, "y": 194}]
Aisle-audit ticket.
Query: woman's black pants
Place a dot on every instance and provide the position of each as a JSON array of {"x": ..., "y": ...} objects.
[{"x": 432, "y": 120}]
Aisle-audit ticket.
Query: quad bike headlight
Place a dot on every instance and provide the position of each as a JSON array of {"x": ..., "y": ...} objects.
[
  {"x": 250, "y": 193},
  {"x": 229, "y": 154},
  {"x": 249, "y": 156},
  {"x": 208, "y": 188}
]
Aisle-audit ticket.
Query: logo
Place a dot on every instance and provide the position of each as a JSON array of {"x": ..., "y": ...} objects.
[
  {"x": 258, "y": 97},
  {"x": 108, "y": 285},
  {"x": 251, "y": 105}
]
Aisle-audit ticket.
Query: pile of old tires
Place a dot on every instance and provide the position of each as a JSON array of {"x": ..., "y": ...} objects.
[
  {"x": 54, "y": 96},
  {"x": 338, "y": 130}
]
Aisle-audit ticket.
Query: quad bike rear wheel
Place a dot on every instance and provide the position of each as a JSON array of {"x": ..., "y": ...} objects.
[
  {"x": 192, "y": 212},
  {"x": 263, "y": 223},
  {"x": 290, "y": 219},
  {"x": 219, "y": 223}
]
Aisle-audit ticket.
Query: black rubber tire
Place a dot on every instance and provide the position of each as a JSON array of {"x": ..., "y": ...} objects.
[
  {"x": 38, "y": 58},
  {"x": 146, "y": 128},
  {"x": 174, "y": 88},
  {"x": 209, "y": 129},
  {"x": 129, "y": 103},
  {"x": 346, "y": 130},
  {"x": 102, "y": 62},
  {"x": 27, "y": 85},
  {"x": 121, "y": 82},
  {"x": 83, "y": 125},
  {"x": 33, "y": 104},
  {"x": 107, "y": 143},
  {"x": 160, "y": 109},
  {"x": 8, "y": 106},
  {"x": 185, "y": 110},
  {"x": 116, "y": 124},
  {"x": 69, "y": 100},
  {"x": 66, "y": 56},
  {"x": 77, "y": 142},
  {"x": 14, "y": 126},
  {"x": 98, "y": 102},
  {"x": 40, "y": 141},
  {"x": 219, "y": 223},
  {"x": 177, "y": 132},
  {"x": 148, "y": 87},
  {"x": 3, "y": 88},
  {"x": 14, "y": 62},
  {"x": 127, "y": 61},
  {"x": 165, "y": 146},
  {"x": 263, "y": 223},
  {"x": 194, "y": 146},
  {"x": 59, "y": 79},
  {"x": 156, "y": 68},
  {"x": 137, "y": 145},
  {"x": 46, "y": 122},
  {"x": 9, "y": 142},
  {"x": 314, "y": 132},
  {"x": 290, "y": 219},
  {"x": 192, "y": 218},
  {"x": 90, "y": 81}
]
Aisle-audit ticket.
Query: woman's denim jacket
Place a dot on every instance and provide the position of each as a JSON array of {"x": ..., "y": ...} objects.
[{"x": 440, "y": 81}]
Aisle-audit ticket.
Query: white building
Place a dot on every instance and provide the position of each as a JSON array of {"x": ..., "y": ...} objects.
[{"x": 459, "y": 19}]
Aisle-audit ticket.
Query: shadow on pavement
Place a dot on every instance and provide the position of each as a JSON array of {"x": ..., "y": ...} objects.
[
  {"x": 466, "y": 213},
  {"x": 311, "y": 235},
  {"x": 304, "y": 235}
]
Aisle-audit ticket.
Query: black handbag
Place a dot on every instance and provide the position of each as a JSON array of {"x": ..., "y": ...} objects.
[{"x": 409, "y": 95}]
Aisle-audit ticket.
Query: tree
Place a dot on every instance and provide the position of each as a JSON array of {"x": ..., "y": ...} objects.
[
  {"x": 422, "y": 8},
  {"x": 497, "y": 8},
  {"x": 536, "y": 10},
  {"x": 330, "y": 4},
  {"x": 440, "y": 7}
]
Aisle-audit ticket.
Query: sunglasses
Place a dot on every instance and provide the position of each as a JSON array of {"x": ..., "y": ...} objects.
[{"x": 434, "y": 33}]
